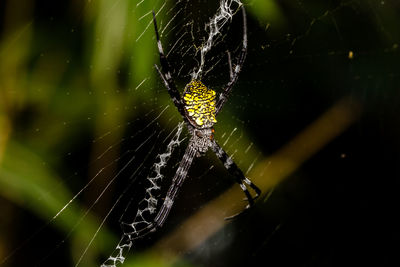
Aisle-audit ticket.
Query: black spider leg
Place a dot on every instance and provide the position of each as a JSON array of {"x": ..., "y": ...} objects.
[
  {"x": 239, "y": 176},
  {"x": 234, "y": 74},
  {"x": 173, "y": 190},
  {"x": 230, "y": 64},
  {"x": 166, "y": 76}
]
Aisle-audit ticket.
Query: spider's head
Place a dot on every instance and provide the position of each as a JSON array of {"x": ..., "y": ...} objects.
[{"x": 199, "y": 104}]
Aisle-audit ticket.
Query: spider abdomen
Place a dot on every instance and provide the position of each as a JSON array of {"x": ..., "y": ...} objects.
[{"x": 199, "y": 104}]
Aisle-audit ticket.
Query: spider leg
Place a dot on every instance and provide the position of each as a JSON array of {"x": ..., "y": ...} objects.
[
  {"x": 177, "y": 182},
  {"x": 166, "y": 74},
  {"x": 172, "y": 193},
  {"x": 238, "y": 175},
  {"x": 223, "y": 97},
  {"x": 230, "y": 64}
]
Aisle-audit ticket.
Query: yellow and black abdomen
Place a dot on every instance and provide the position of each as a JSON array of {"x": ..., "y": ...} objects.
[{"x": 199, "y": 104}]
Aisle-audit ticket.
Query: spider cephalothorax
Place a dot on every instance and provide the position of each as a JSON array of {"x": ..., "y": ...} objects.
[{"x": 202, "y": 139}]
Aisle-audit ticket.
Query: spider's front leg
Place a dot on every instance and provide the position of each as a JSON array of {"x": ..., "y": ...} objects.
[
  {"x": 238, "y": 174},
  {"x": 172, "y": 193}
]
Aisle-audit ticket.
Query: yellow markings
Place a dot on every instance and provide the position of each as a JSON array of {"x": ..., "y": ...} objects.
[
  {"x": 351, "y": 55},
  {"x": 199, "y": 121},
  {"x": 200, "y": 103}
]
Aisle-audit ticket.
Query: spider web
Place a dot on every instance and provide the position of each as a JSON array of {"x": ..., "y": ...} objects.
[
  {"x": 148, "y": 206},
  {"x": 303, "y": 57}
]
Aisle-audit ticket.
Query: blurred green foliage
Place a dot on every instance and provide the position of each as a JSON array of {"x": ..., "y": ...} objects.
[{"x": 57, "y": 78}]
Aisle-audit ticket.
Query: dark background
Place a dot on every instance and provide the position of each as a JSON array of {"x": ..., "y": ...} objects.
[{"x": 72, "y": 103}]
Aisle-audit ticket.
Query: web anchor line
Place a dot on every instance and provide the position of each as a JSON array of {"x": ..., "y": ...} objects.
[{"x": 147, "y": 206}]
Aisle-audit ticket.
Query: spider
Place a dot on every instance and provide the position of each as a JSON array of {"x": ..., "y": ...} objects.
[{"x": 199, "y": 108}]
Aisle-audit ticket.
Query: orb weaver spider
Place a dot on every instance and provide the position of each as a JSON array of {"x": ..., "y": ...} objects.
[{"x": 198, "y": 108}]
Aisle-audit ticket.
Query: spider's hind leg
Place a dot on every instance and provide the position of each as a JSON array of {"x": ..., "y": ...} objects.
[
  {"x": 165, "y": 74},
  {"x": 238, "y": 175},
  {"x": 234, "y": 71}
]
